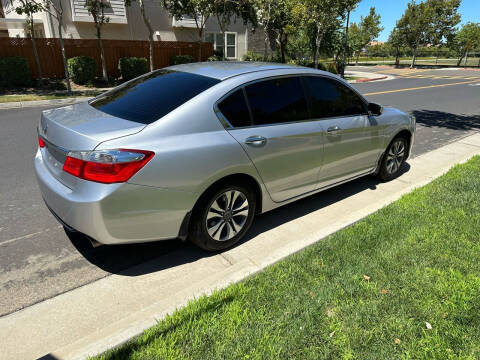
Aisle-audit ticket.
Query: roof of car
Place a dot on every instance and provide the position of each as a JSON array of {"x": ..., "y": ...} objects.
[{"x": 225, "y": 69}]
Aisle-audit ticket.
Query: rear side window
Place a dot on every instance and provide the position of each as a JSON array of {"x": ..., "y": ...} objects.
[
  {"x": 150, "y": 97},
  {"x": 277, "y": 101},
  {"x": 330, "y": 98},
  {"x": 235, "y": 110}
]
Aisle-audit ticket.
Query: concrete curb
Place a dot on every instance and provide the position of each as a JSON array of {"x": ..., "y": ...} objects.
[
  {"x": 54, "y": 102},
  {"x": 367, "y": 76},
  {"x": 108, "y": 312},
  {"x": 368, "y": 80}
]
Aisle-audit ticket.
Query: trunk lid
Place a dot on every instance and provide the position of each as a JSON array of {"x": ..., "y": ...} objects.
[{"x": 78, "y": 127}]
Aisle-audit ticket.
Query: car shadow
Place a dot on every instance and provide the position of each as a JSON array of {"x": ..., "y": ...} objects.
[
  {"x": 140, "y": 259},
  {"x": 434, "y": 118}
]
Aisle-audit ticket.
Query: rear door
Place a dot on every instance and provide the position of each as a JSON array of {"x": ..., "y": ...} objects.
[
  {"x": 352, "y": 138},
  {"x": 270, "y": 121}
]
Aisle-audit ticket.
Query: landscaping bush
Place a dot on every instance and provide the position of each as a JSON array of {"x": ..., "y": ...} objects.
[
  {"x": 82, "y": 69},
  {"x": 332, "y": 67},
  {"x": 132, "y": 67},
  {"x": 14, "y": 71},
  {"x": 181, "y": 59},
  {"x": 252, "y": 56},
  {"x": 215, "y": 58}
]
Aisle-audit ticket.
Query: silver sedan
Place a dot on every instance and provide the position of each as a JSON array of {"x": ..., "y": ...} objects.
[{"x": 196, "y": 151}]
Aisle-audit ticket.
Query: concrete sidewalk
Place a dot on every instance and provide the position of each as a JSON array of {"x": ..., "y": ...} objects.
[
  {"x": 35, "y": 103},
  {"x": 110, "y": 311},
  {"x": 367, "y": 76}
]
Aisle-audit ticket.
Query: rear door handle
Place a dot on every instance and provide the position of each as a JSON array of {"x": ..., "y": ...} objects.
[
  {"x": 333, "y": 129},
  {"x": 256, "y": 141}
]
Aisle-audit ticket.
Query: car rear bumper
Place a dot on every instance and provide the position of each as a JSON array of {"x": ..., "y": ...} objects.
[{"x": 115, "y": 213}]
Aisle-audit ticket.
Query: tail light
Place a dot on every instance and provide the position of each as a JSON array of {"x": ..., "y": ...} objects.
[
  {"x": 106, "y": 166},
  {"x": 41, "y": 143}
]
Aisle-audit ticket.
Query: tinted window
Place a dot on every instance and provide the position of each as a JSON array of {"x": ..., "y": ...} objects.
[
  {"x": 277, "y": 101},
  {"x": 148, "y": 98},
  {"x": 330, "y": 98},
  {"x": 235, "y": 110}
]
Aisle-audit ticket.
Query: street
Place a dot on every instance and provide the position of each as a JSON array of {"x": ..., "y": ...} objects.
[{"x": 39, "y": 260}]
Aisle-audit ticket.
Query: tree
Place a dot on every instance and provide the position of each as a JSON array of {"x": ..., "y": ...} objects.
[
  {"x": 29, "y": 8},
  {"x": 264, "y": 16},
  {"x": 355, "y": 40},
  {"x": 148, "y": 25},
  {"x": 322, "y": 13},
  {"x": 96, "y": 8},
  {"x": 199, "y": 10},
  {"x": 57, "y": 12},
  {"x": 396, "y": 41},
  {"x": 466, "y": 39},
  {"x": 224, "y": 10},
  {"x": 429, "y": 22},
  {"x": 369, "y": 29}
]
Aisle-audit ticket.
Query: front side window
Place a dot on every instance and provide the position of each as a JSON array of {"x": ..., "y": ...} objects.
[
  {"x": 330, "y": 98},
  {"x": 235, "y": 109},
  {"x": 276, "y": 101},
  {"x": 152, "y": 96}
]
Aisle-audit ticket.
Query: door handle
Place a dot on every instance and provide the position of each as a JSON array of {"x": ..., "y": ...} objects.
[
  {"x": 333, "y": 129},
  {"x": 256, "y": 141}
]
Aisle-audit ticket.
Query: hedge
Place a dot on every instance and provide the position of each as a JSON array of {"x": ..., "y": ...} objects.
[
  {"x": 132, "y": 67},
  {"x": 181, "y": 59},
  {"x": 14, "y": 71},
  {"x": 82, "y": 69}
]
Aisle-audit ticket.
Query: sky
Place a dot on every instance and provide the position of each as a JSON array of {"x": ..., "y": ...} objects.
[{"x": 392, "y": 10}]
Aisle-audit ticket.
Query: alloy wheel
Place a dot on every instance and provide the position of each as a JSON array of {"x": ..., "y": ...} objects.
[
  {"x": 395, "y": 156},
  {"x": 227, "y": 215}
]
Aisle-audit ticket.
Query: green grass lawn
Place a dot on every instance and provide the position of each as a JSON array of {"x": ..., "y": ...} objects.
[
  {"x": 403, "y": 283},
  {"x": 472, "y": 61}
]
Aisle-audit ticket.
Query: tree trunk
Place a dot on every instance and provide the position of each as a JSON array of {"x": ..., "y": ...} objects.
[
  {"x": 64, "y": 57},
  {"x": 267, "y": 43},
  {"x": 397, "y": 58},
  {"x": 414, "y": 57},
  {"x": 35, "y": 52},
  {"x": 102, "y": 55},
  {"x": 358, "y": 56},
  {"x": 150, "y": 33},
  {"x": 318, "y": 42},
  {"x": 459, "y": 62}
]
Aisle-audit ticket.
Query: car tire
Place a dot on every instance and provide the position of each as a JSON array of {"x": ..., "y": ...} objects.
[
  {"x": 393, "y": 159},
  {"x": 222, "y": 217}
]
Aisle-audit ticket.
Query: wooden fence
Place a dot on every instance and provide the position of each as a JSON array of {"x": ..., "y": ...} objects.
[{"x": 51, "y": 58}]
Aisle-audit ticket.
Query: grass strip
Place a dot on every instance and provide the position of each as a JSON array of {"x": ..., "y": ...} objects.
[{"x": 403, "y": 283}]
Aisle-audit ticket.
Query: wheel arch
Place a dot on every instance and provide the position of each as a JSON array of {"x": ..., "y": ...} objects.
[{"x": 238, "y": 179}]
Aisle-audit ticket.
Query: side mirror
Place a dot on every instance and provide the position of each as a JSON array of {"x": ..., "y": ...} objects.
[{"x": 375, "y": 109}]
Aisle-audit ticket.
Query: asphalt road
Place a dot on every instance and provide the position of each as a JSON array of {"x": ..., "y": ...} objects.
[{"x": 38, "y": 259}]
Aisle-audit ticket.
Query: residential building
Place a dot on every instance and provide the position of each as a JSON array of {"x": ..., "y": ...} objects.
[{"x": 126, "y": 23}]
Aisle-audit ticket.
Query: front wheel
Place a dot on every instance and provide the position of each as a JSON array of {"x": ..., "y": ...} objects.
[
  {"x": 393, "y": 160},
  {"x": 223, "y": 217}
]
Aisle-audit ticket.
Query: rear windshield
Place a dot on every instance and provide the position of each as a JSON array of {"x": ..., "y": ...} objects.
[{"x": 150, "y": 97}]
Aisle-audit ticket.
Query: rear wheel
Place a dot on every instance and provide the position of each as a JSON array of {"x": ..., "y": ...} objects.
[
  {"x": 222, "y": 217},
  {"x": 393, "y": 159}
]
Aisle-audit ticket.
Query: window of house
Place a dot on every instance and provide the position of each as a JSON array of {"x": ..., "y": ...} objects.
[
  {"x": 330, "y": 98},
  {"x": 277, "y": 101},
  {"x": 224, "y": 43}
]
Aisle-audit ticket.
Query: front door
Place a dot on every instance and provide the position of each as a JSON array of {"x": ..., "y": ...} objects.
[{"x": 352, "y": 139}]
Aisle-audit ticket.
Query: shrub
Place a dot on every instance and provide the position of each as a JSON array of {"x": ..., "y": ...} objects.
[
  {"x": 215, "y": 58},
  {"x": 181, "y": 59},
  {"x": 82, "y": 69},
  {"x": 132, "y": 67},
  {"x": 252, "y": 56},
  {"x": 14, "y": 71},
  {"x": 332, "y": 67}
]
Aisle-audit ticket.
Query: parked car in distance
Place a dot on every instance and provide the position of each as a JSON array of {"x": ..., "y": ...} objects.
[{"x": 197, "y": 150}]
